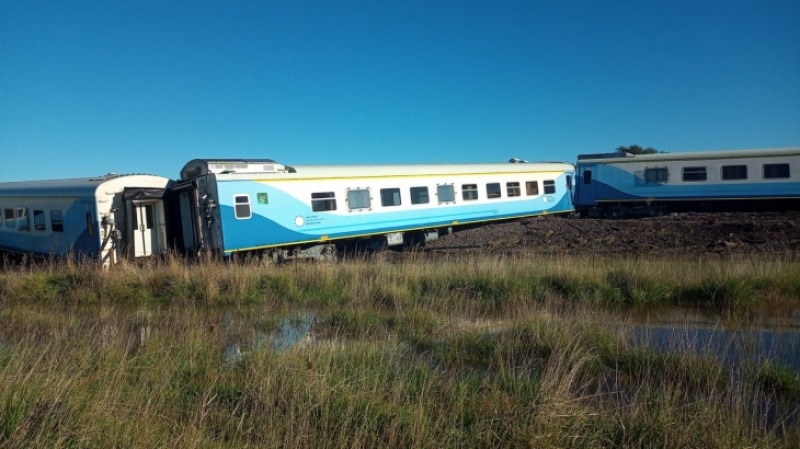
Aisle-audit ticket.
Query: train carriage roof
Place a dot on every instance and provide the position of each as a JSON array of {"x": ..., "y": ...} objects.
[
  {"x": 617, "y": 157},
  {"x": 81, "y": 187},
  {"x": 260, "y": 168}
]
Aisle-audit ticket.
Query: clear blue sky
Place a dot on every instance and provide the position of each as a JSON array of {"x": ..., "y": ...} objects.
[{"x": 88, "y": 87}]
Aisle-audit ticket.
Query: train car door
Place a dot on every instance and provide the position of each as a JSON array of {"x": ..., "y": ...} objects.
[
  {"x": 145, "y": 224},
  {"x": 585, "y": 187}
]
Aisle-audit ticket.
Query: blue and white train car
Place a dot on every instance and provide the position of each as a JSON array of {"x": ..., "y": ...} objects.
[
  {"x": 617, "y": 184},
  {"x": 231, "y": 206},
  {"x": 104, "y": 218}
]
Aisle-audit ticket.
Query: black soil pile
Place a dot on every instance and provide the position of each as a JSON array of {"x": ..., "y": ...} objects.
[{"x": 689, "y": 233}]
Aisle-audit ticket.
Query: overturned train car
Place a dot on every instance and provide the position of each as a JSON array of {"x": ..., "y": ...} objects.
[{"x": 231, "y": 207}]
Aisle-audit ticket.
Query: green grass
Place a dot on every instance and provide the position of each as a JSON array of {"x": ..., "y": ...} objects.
[{"x": 468, "y": 352}]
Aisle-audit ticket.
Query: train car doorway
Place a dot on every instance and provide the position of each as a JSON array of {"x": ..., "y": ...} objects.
[{"x": 145, "y": 230}]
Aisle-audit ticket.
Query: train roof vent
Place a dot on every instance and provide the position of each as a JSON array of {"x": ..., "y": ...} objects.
[{"x": 200, "y": 167}]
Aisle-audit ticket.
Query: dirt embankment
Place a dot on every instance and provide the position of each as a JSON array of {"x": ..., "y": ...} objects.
[{"x": 689, "y": 233}]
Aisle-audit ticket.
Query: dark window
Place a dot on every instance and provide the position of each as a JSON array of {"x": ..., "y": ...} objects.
[
  {"x": 419, "y": 195},
  {"x": 390, "y": 197},
  {"x": 358, "y": 199},
  {"x": 732, "y": 172},
  {"x": 469, "y": 192},
  {"x": 39, "y": 220},
  {"x": 694, "y": 174},
  {"x": 512, "y": 189},
  {"x": 549, "y": 187},
  {"x": 493, "y": 190},
  {"x": 446, "y": 193},
  {"x": 23, "y": 221},
  {"x": 242, "y": 206},
  {"x": 656, "y": 175},
  {"x": 89, "y": 225},
  {"x": 57, "y": 220},
  {"x": 9, "y": 213},
  {"x": 323, "y": 201},
  {"x": 587, "y": 176},
  {"x": 531, "y": 188},
  {"x": 774, "y": 171}
]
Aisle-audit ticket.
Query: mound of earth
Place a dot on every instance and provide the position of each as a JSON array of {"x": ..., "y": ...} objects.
[{"x": 685, "y": 233}]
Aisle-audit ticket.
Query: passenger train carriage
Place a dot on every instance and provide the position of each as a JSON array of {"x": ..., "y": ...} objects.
[
  {"x": 104, "y": 218},
  {"x": 616, "y": 184},
  {"x": 233, "y": 206}
]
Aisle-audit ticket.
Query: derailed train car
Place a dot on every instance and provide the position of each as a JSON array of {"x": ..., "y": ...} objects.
[
  {"x": 620, "y": 184},
  {"x": 239, "y": 206},
  {"x": 105, "y": 218}
]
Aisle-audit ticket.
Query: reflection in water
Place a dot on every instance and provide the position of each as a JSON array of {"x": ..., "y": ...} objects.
[
  {"x": 733, "y": 348},
  {"x": 293, "y": 329}
]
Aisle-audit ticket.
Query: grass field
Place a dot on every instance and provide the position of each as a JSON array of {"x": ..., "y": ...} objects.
[{"x": 455, "y": 352}]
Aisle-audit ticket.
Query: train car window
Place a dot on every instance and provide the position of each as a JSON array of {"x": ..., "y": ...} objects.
[
  {"x": 9, "y": 213},
  {"x": 57, "y": 221},
  {"x": 531, "y": 188},
  {"x": 419, "y": 195},
  {"x": 691, "y": 174},
  {"x": 390, "y": 197},
  {"x": 23, "y": 221},
  {"x": 657, "y": 175},
  {"x": 776, "y": 171},
  {"x": 512, "y": 189},
  {"x": 734, "y": 172},
  {"x": 39, "y": 220},
  {"x": 446, "y": 193},
  {"x": 469, "y": 192},
  {"x": 242, "y": 206},
  {"x": 587, "y": 176},
  {"x": 358, "y": 199},
  {"x": 493, "y": 190},
  {"x": 549, "y": 187},
  {"x": 323, "y": 201}
]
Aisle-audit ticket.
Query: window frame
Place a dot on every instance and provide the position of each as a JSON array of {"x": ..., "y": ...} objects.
[
  {"x": 694, "y": 173},
  {"x": 469, "y": 192},
  {"x": 531, "y": 188},
  {"x": 57, "y": 225},
  {"x": 416, "y": 197},
  {"x": 452, "y": 193},
  {"x": 359, "y": 195},
  {"x": 494, "y": 190},
  {"x": 39, "y": 215},
  {"x": 775, "y": 169},
  {"x": 391, "y": 191},
  {"x": 549, "y": 186},
  {"x": 513, "y": 189},
  {"x": 660, "y": 175},
  {"x": 734, "y": 170},
  {"x": 237, "y": 205},
  {"x": 327, "y": 202}
]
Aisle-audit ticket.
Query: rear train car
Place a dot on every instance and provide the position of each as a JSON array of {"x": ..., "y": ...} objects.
[
  {"x": 233, "y": 206},
  {"x": 105, "y": 218},
  {"x": 620, "y": 184}
]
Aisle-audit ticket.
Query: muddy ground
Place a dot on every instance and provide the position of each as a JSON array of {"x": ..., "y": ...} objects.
[{"x": 684, "y": 233}]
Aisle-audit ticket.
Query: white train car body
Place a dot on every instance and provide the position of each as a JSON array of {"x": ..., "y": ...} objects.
[
  {"x": 232, "y": 206},
  {"x": 103, "y": 218}
]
